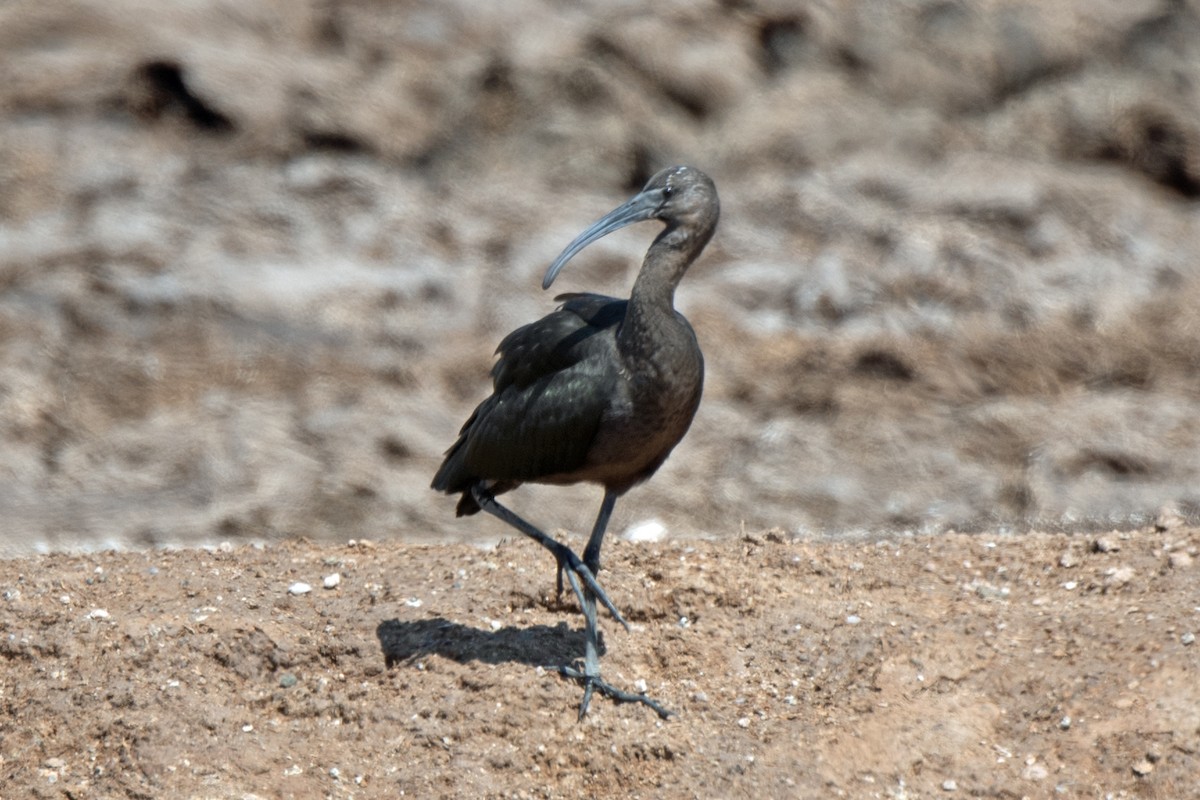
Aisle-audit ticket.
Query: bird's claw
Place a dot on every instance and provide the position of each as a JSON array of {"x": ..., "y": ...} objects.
[{"x": 593, "y": 683}]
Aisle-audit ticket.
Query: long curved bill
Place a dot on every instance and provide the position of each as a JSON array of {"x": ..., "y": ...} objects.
[{"x": 640, "y": 207}]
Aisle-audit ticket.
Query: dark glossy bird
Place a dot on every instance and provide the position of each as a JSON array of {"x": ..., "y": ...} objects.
[{"x": 601, "y": 390}]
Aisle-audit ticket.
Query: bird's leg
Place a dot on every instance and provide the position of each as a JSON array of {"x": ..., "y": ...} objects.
[
  {"x": 565, "y": 556},
  {"x": 590, "y": 676},
  {"x": 583, "y": 583},
  {"x": 591, "y": 553}
]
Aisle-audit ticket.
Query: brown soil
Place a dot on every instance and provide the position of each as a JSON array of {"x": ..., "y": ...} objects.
[{"x": 1037, "y": 665}]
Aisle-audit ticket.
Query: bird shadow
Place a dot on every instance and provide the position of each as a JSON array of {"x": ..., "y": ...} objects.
[{"x": 538, "y": 645}]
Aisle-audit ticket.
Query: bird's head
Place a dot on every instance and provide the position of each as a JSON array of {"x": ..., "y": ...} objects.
[{"x": 682, "y": 197}]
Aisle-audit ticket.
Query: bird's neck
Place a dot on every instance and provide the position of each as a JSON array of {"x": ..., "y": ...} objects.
[{"x": 652, "y": 301}]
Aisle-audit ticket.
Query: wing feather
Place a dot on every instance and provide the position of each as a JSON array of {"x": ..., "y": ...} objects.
[{"x": 553, "y": 382}]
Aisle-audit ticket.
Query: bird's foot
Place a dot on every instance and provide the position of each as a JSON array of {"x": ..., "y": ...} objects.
[
  {"x": 594, "y": 683},
  {"x": 581, "y": 577}
]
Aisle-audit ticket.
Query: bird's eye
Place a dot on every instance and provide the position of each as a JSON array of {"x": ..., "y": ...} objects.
[{"x": 667, "y": 192}]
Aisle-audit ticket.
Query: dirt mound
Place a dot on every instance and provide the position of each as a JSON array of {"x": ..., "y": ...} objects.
[{"x": 981, "y": 666}]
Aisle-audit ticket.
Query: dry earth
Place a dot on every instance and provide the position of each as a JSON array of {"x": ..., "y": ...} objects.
[
  {"x": 1039, "y": 665},
  {"x": 254, "y": 256}
]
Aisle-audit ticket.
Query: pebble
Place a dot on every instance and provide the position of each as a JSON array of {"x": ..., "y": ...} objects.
[
  {"x": 332, "y": 581},
  {"x": 299, "y": 587},
  {"x": 1143, "y": 768},
  {"x": 1069, "y": 559},
  {"x": 1065, "y": 723},
  {"x": 1188, "y": 638},
  {"x": 744, "y": 722},
  {"x": 1118, "y": 576},
  {"x": 1168, "y": 519},
  {"x": 1179, "y": 559},
  {"x": 640, "y": 685},
  {"x": 651, "y": 530},
  {"x": 98, "y": 613},
  {"x": 1035, "y": 772},
  {"x": 288, "y": 680},
  {"x": 949, "y": 785},
  {"x": 1105, "y": 544}
]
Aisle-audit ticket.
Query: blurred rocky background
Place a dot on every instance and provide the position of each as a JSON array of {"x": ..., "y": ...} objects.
[{"x": 255, "y": 257}]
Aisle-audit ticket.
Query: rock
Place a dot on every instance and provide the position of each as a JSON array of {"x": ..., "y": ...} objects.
[
  {"x": 1168, "y": 519},
  {"x": 651, "y": 530},
  {"x": 1116, "y": 577},
  {"x": 299, "y": 587},
  {"x": 1035, "y": 772}
]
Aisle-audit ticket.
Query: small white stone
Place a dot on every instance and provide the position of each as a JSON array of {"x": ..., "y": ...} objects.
[
  {"x": 1188, "y": 638},
  {"x": 744, "y": 722},
  {"x": 332, "y": 581},
  {"x": 949, "y": 785},
  {"x": 414, "y": 602},
  {"x": 853, "y": 619},
  {"x": 299, "y": 587},
  {"x": 640, "y": 685},
  {"x": 1035, "y": 772},
  {"x": 98, "y": 613},
  {"x": 651, "y": 530}
]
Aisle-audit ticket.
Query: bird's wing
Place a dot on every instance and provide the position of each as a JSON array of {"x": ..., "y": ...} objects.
[
  {"x": 558, "y": 340},
  {"x": 553, "y": 381}
]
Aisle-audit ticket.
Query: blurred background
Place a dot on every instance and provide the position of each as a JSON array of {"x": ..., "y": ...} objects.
[{"x": 255, "y": 257}]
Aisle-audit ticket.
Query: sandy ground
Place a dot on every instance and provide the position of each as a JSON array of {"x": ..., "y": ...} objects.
[{"x": 953, "y": 666}]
